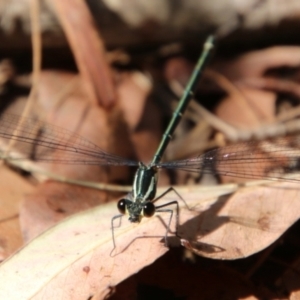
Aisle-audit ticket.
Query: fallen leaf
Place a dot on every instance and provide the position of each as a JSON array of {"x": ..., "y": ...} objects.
[
  {"x": 73, "y": 260},
  {"x": 10, "y": 233},
  {"x": 88, "y": 49},
  {"x": 53, "y": 201},
  {"x": 238, "y": 225}
]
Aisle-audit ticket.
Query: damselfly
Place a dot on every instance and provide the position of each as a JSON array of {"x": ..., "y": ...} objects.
[{"x": 270, "y": 159}]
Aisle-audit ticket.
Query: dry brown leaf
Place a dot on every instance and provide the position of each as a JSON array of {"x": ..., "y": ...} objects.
[
  {"x": 88, "y": 49},
  {"x": 10, "y": 233},
  {"x": 93, "y": 123},
  {"x": 62, "y": 102},
  {"x": 132, "y": 91},
  {"x": 252, "y": 85},
  {"x": 53, "y": 201},
  {"x": 72, "y": 259},
  {"x": 178, "y": 69},
  {"x": 238, "y": 225},
  {"x": 257, "y": 63},
  {"x": 256, "y": 108},
  {"x": 141, "y": 114}
]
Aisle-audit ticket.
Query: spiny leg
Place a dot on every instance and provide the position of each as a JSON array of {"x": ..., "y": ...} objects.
[
  {"x": 170, "y": 189},
  {"x": 158, "y": 209},
  {"x": 113, "y": 230}
]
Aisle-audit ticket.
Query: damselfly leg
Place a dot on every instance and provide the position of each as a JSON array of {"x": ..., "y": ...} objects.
[{"x": 149, "y": 205}]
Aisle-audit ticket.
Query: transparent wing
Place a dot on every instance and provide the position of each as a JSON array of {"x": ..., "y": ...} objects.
[
  {"x": 41, "y": 141},
  {"x": 269, "y": 159}
]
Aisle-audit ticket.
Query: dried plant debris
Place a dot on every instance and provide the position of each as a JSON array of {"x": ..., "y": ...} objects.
[{"x": 234, "y": 156}]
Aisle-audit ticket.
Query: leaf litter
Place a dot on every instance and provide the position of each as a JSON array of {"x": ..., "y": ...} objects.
[
  {"x": 226, "y": 226},
  {"x": 59, "y": 258}
]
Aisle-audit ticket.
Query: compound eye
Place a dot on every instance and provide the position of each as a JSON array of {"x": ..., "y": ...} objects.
[
  {"x": 148, "y": 209},
  {"x": 122, "y": 206}
]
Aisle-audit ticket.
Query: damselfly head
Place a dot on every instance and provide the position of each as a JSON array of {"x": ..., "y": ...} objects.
[{"x": 136, "y": 210}]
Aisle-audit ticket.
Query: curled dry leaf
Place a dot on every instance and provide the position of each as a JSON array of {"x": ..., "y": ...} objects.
[
  {"x": 62, "y": 97},
  {"x": 253, "y": 82},
  {"x": 255, "y": 64},
  {"x": 73, "y": 260},
  {"x": 88, "y": 49},
  {"x": 239, "y": 225}
]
